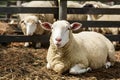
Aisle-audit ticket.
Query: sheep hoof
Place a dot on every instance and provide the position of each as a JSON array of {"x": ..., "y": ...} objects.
[
  {"x": 107, "y": 65},
  {"x": 89, "y": 69},
  {"x": 78, "y": 70},
  {"x": 48, "y": 66},
  {"x": 26, "y": 44}
]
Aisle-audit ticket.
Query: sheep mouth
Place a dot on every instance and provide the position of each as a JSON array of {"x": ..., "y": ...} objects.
[{"x": 58, "y": 44}]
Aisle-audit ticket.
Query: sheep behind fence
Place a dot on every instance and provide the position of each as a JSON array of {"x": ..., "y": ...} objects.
[{"x": 56, "y": 11}]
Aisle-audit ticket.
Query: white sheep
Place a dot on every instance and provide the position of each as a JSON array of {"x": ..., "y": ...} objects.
[
  {"x": 75, "y": 16},
  {"x": 77, "y": 53},
  {"x": 30, "y": 23},
  {"x": 81, "y": 17},
  {"x": 98, "y": 17}
]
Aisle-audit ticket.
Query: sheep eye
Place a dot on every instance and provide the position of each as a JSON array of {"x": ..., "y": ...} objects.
[{"x": 22, "y": 21}]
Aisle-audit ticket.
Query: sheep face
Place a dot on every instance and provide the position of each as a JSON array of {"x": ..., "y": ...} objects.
[
  {"x": 60, "y": 31},
  {"x": 92, "y": 4},
  {"x": 30, "y": 24}
]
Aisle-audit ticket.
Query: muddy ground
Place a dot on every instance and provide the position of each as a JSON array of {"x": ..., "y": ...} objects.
[{"x": 20, "y": 63}]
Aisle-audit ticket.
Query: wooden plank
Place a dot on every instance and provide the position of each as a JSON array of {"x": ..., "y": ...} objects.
[
  {"x": 22, "y": 38},
  {"x": 99, "y": 23},
  {"x": 113, "y": 37},
  {"x": 52, "y": 10},
  {"x": 42, "y": 38},
  {"x": 10, "y": 10},
  {"x": 93, "y": 10}
]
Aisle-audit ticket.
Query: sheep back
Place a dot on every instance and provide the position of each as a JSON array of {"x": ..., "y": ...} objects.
[{"x": 88, "y": 48}]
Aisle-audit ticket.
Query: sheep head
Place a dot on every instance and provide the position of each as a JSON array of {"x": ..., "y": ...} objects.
[
  {"x": 30, "y": 23},
  {"x": 93, "y": 4},
  {"x": 60, "y": 31}
]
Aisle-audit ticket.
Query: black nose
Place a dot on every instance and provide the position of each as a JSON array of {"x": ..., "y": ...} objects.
[{"x": 88, "y": 6}]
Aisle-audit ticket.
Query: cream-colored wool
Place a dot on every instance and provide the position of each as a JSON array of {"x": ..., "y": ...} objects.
[
  {"x": 105, "y": 17},
  {"x": 42, "y": 17},
  {"x": 88, "y": 49},
  {"x": 81, "y": 17},
  {"x": 35, "y": 19},
  {"x": 75, "y": 16}
]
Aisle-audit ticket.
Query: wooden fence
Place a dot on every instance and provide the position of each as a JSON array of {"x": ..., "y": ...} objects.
[{"x": 60, "y": 12}]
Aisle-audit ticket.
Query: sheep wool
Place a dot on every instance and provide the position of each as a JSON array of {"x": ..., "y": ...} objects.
[{"x": 85, "y": 49}]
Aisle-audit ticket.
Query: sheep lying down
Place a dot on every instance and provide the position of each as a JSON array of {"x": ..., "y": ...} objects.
[{"x": 77, "y": 53}]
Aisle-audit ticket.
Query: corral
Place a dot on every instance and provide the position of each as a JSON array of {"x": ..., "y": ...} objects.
[{"x": 20, "y": 63}]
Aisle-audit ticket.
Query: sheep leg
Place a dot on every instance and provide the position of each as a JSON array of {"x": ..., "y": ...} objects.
[
  {"x": 107, "y": 65},
  {"x": 77, "y": 69},
  {"x": 48, "y": 66},
  {"x": 59, "y": 68}
]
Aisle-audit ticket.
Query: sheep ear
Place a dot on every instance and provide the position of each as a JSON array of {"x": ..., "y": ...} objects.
[
  {"x": 46, "y": 26},
  {"x": 75, "y": 26}
]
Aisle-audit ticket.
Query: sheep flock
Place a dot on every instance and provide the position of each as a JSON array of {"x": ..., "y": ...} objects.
[{"x": 72, "y": 48}]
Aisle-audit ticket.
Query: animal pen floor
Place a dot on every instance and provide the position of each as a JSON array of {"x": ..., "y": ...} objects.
[{"x": 19, "y": 63}]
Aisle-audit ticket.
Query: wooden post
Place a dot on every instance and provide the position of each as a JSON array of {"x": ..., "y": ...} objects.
[
  {"x": 18, "y": 3},
  {"x": 62, "y": 9},
  {"x": 8, "y": 15},
  {"x": 56, "y": 14}
]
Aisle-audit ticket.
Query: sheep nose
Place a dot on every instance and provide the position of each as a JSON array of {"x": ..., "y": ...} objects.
[{"x": 58, "y": 39}]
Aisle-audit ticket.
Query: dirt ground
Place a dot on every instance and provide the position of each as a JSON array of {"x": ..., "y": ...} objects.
[{"x": 20, "y": 63}]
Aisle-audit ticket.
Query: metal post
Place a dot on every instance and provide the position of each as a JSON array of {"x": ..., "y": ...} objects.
[{"x": 62, "y": 9}]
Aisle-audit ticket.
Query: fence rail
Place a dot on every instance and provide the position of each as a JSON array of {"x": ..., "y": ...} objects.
[
  {"x": 41, "y": 38},
  {"x": 56, "y": 11}
]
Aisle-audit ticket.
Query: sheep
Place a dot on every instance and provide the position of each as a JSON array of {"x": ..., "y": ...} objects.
[
  {"x": 108, "y": 30},
  {"x": 30, "y": 23},
  {"x": 42, "y": 17},
  {"x": 75, "y": 17},
  {"x": 95, "y": 4},
  {"x": 77, "y": 53}
]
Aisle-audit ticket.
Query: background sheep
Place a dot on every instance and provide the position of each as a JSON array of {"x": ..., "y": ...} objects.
[
  {"x": 94, "y": 4},
  {"x": 76, "y": 52},
  {"x": 75, "y": 16},
  {"x": 99, "y": 17},
  {"x": 81, "y": 17},
  {"x": 30, "y": 23}
]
